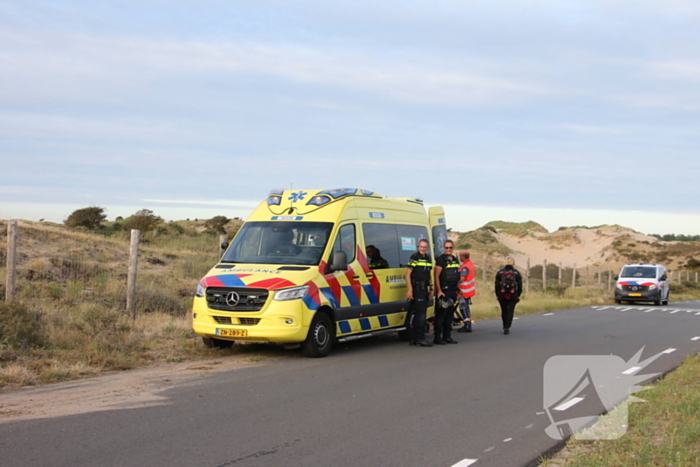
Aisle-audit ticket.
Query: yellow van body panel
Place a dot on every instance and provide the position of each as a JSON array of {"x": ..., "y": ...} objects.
[{"x": 360, "y": 300}]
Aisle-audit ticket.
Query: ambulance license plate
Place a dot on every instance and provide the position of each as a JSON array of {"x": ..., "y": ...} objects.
[
  {"x": 232, "y": 332},
  {"x": 635, "y": 295}
]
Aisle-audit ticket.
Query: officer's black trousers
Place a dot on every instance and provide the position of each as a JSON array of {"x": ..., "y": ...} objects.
[
  {"x": 419, "y": 306},
  {"x": 443, "y": 317}
]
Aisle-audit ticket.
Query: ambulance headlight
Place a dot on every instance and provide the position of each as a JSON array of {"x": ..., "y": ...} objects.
[
  {"x": 652, "y": 287},
  {"x": 291, "y": 294},
  {"x": 200, "y": 290}
]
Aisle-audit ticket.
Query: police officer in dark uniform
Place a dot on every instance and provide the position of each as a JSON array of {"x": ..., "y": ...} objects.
[
  {"x": 446, "y": 288},
  {"x": 418, "y": 277}
]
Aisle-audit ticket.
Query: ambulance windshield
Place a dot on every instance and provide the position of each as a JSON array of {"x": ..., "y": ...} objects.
[{"x": 279, "y": 242}]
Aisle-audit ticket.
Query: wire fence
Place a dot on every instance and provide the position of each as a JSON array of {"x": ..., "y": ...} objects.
[{"x": 91, "y": 268}]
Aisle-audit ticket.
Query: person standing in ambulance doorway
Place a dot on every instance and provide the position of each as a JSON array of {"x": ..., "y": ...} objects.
[
  {"x": 419, "y": 292},
  {"x": 446, "y": 288},
  {"x": 509, "y": 287},
  {"x": 467, "y": 289}
]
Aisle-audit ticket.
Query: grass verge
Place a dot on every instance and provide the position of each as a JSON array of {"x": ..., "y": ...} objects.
[{"x": 664, "y": 431}]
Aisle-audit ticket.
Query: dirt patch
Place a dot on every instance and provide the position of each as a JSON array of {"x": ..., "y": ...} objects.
[{"x": 120, "y": 390}]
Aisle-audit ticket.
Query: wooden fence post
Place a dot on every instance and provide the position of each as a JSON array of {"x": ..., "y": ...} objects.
[
  {"x": 609, "y": 276},
  {"x": 11, "y": 261},
  {"x": 560, "y": 272},
  {"x": 527, "y": 277},
  {"x": 484, "y": 269},
  {"x": 131, "y": 279},
  {"x": 599, "y": 275},
  {"x": 573, "y": 276},
  {"x": 586, "y": 275},
  {"x": 544, "y": 275}
]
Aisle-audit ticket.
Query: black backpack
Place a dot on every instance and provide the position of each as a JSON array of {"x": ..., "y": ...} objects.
[{"x": 509, "y": 283}]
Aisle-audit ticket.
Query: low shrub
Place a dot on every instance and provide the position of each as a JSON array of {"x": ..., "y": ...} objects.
[{"x": 20, "y": 328}]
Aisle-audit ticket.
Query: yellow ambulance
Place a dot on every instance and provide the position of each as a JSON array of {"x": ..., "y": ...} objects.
[{"x": 315, "y": 267}]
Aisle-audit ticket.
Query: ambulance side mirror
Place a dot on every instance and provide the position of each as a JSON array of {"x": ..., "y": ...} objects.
[{"x": 339, "y": 261}]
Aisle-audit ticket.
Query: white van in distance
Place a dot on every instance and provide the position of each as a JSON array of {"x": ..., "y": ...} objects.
[{"x": 642, "y": 283}]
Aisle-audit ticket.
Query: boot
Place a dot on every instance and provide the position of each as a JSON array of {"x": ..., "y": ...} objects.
[
  {"x": 424, "y": 343},
  {"x": 438, "y": 341}
]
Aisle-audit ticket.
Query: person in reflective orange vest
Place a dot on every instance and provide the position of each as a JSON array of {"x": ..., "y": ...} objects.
[{"x": 467, "y": 289}]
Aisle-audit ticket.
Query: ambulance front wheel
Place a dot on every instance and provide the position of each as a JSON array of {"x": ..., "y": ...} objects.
[
  {"x": 214, "y": 343},
  {"x": 320, "y": 339}
]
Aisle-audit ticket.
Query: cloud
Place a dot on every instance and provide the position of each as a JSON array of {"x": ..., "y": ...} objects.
[{"x": 82, "y": 66}]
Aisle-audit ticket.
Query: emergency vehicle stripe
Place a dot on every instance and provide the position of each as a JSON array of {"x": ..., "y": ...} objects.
[
  {"x": 272, "y": 283},
  {"x": 352, "y": 296},
  {"x": 330, "y": 296},
  {"x": 311, "y": 298},
  {"x": 310, "y": 303},
  {"x": 646, "y": 284},
  {"x": 344, "y": 327},
  {"x": 354, "y": 289},
  {"x": 225, "y": 280},
  {"x": 370, "y": 293},
  {"x": 364, "y": 323},
  {"x": 383, "y": 321},
  {"x": 374, "y": 280}
]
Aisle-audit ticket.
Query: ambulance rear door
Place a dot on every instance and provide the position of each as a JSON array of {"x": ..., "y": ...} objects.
[{"x": 438, "y": 228}]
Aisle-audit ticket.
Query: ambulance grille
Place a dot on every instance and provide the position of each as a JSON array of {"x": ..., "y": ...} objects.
[
  {"x": 248, "y": 321},
  {"x": 241, "y": 321},
  {"x": 236, "y": 298}
]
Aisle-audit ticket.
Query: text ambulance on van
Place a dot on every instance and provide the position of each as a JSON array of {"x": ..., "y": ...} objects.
[{"x": 297, "y": 272}]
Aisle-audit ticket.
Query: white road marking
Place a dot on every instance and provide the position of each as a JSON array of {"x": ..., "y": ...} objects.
[
  {"x": 697, "y": 314},
  {"x": 667, "y": 351},
  {"x": 625, "y": 309},
  {"x": 634, "y": 369},
  {"x": 649, "y": 310},
  {"x": 603, "y": 308},
  {"x": 539, "y": 413},
  {"x": 507, "y": 440},
  {"x": 465, "y": 463},
  {"x": 695, "y": 338},
  {"x": 529, "y": 426},
  {"x": 490, "y": 449},
  {"x": 548, "y": 314},
  {"x": 516, "y": 318},
  {"x": 675, "y": 311},
  {"x": 569, "y": 404}
]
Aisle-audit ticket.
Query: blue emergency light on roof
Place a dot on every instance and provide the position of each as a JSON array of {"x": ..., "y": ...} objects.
[
  {"x": 339, "y": 192},
  {"x": 274, "y": 200},
  {"x": 319, "y": 200}
]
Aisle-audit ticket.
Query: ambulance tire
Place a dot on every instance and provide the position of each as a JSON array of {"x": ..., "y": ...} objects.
[
  {"x": 321, "y": 336},
  {"x": 405, "y": 335},
  {"x": 214, "y": 343}
]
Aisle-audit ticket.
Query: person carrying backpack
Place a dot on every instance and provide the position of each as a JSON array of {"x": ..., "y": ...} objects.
[{"x": 509, "y": 287}]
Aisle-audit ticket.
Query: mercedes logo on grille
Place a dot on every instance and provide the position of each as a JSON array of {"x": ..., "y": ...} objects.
[
  {"x": 232, "y": 299},
  {"x": 635, "y": 288}
]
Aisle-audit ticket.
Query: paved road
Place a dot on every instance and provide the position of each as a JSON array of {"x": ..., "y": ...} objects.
[{"x": 375, "y": 402}]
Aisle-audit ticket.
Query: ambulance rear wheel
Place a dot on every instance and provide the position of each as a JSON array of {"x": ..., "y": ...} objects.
[
  {"x": 214, "y": 343},
  {"x": 320, "y": 339}
]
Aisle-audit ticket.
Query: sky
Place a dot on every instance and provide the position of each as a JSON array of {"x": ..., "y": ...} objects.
[{"x": 561, "y": 112}]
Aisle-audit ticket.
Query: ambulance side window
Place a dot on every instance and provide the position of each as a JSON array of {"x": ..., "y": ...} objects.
[
  {"x": 410, "y": 235},
  {"x": 345, "y": 241},
  {"x": 385, "y": 239}
]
